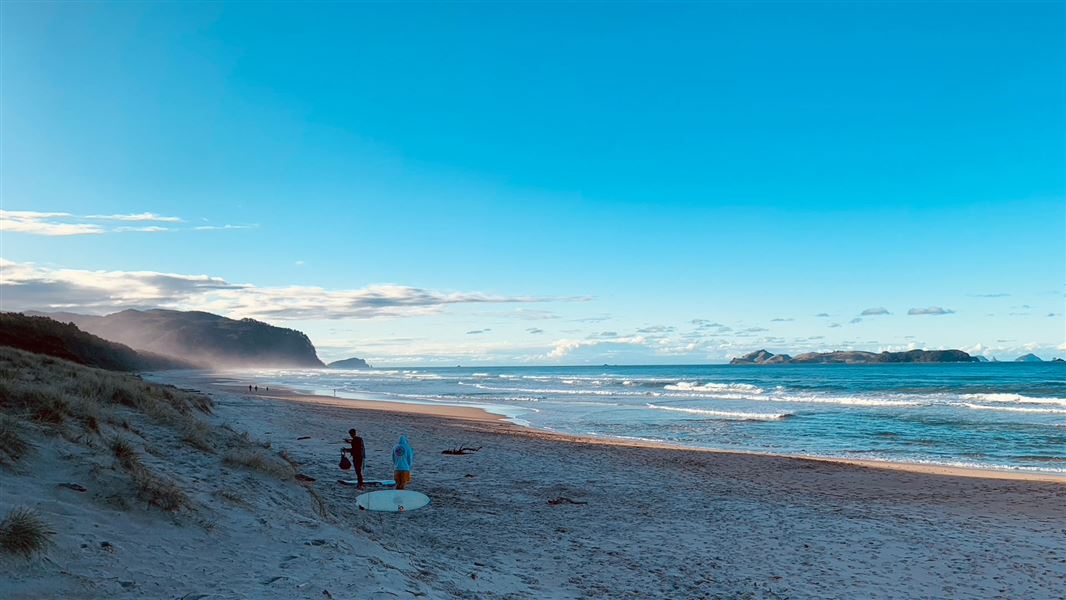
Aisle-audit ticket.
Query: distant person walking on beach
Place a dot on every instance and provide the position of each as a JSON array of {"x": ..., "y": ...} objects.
[
  {"x": 403, "y": 457},
  {"x": 358, "y": 453}
]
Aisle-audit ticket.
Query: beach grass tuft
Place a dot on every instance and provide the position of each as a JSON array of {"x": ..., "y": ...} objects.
[
  {"x": 197, "y": 435},
  {"x": 13, "y": 442},
  {"x": 23, "y": 532},
  {"x": 159, "y": 492},
  {"x": 318, "y": 503},
  {"x": 257, "y": 460},
  {"x": 231, "y": 497},
  {"x": 125, "y": 454}
]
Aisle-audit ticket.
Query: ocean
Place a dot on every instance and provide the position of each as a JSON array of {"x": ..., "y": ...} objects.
[{"x": 1009, "y": 416}]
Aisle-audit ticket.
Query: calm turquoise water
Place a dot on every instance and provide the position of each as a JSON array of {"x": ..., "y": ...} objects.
[{"x": 1006, "y": 416}]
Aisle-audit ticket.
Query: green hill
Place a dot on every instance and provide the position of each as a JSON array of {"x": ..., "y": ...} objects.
[
  {"x": 203, "y": 338},
  {"x": 42, "y": 335}
]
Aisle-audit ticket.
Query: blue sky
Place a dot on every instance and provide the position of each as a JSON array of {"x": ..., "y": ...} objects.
[{"x": 546, "y": 183}]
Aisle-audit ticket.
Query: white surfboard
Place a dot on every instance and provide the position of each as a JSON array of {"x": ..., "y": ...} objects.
[{"x": 391, "y": 500}]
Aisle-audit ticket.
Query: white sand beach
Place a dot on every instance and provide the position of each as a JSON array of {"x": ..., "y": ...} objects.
[{"x": 646, "y": 522}]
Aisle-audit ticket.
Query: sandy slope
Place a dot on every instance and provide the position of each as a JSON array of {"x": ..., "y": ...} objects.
[
  {"x": 248, "y": 535},
  {"x": 659, "y": 523}
]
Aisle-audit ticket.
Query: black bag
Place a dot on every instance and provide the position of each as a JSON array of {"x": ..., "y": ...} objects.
[{"x": 345, "y": 463}]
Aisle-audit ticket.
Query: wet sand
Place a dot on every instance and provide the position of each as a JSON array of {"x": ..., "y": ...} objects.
[{"x": 473, "y": 414}]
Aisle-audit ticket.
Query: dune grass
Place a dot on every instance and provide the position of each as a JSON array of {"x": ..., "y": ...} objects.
[
  {"x": 13, "y": 442},
  {"x": 158, "y": 492},
  {"x": 50, "y": 391},
  {"x": 256, "y": 460},
  {"x": 58, "y": 394},
  {"x": 115, "y": 414},
  {"x": 42, "y": 394},
  {"x": 124, "y": 453},
  {"x": 24, "y": 533},
  {"x": 199, "y": 436}
]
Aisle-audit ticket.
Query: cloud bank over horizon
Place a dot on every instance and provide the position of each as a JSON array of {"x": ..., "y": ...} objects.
[
  {"x": 501, "y": 337},
  {"x": 28, "y": 286}
]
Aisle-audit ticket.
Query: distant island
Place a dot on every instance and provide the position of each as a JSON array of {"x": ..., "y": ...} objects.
[
  {"x": 1028, "y": 358},
  {"x": 854, "y": 357},
  {"x": 202, "y": 338},
  {"x": 349, "y": 363}
]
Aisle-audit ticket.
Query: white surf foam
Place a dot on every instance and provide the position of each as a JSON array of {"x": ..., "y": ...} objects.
[
  {"x": 724, "y": 414},
  {"x": 549, "y": 391},
  {"x": 1019, "y": 409},
  {"x": 712, "y": 388},
  {"x": 843, "y": 400},
  {"x": 1014, "y": 398}
]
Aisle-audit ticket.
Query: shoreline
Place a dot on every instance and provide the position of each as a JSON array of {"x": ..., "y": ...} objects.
[
  {"x": 502, "y": 424},
  {"x": 266, "y": 513}
]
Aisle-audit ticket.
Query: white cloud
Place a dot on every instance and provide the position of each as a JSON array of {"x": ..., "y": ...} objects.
[
  {"x": 878, "y": 310},
  {"x": 67, "y": 224},
  {"x": 145, "y": 229},
  {"x": 28, "y": 286},
  {"x": 656, "y": 330},
  {"x": 525, "y": 314},
  {"x": 931, "y": 310},
  {"x": 596, "y": 319},
  {"x": 33, "y": 214},
  {"x": 979, "y": 349},
  {"x": 603, "y": 335},
  {"x": 145, "y": 216},
  {"x": 408, "y": 351},
  {"x": 42, "y": 223},
  {"x": 529, "y": 314},
  {"x": 564, "y": 348},
  {"x": 225, "y": 227}
]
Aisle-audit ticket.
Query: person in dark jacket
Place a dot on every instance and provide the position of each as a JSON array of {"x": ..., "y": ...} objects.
[{"x": 358, "y": 454}]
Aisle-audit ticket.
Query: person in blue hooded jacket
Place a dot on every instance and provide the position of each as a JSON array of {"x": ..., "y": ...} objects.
[{"x": 403, "y": 457}]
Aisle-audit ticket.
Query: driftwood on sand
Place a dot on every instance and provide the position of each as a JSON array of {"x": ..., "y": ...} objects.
[
  {"x": 564, "y": 500},
  {"x": 461, "y": 450}
]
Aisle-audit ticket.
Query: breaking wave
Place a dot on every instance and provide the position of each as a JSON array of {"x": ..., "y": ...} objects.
[
  {"x": 844, "y": 400},
  {"x": 1015, "y": 398},
  {"x": 724, "y": 414},
  {"x": 712, "y": 388},
  {"x": 1019, "y": 409}
]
